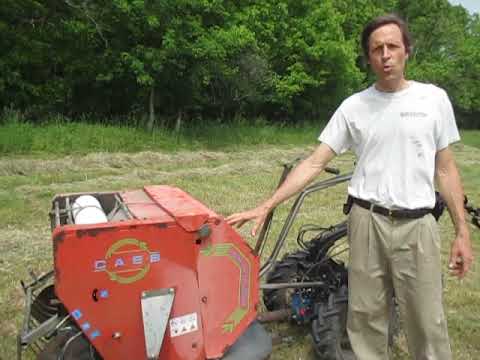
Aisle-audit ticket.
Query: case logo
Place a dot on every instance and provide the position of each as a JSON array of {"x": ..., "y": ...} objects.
[{"x": 127, "y": 261}]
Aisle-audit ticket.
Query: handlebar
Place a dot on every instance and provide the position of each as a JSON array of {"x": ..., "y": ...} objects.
[{"x": 473, "y": 212}]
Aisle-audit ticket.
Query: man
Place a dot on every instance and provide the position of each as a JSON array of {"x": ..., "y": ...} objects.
[{"x": 400, "y": 131}]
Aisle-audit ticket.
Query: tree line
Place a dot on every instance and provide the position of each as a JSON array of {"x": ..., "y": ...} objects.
[{"x": 176, "y": 61}]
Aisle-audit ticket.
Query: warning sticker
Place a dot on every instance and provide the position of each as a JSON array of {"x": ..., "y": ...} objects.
[{"x": 183, "y": 325}]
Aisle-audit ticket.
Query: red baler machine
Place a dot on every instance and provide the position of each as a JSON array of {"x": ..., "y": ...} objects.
[{"x": 163, "y": 277}]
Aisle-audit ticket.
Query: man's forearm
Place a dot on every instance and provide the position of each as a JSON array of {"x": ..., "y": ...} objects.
[
  {"x": 450, "y": 186},
  {"x": 301, "y": 175}
]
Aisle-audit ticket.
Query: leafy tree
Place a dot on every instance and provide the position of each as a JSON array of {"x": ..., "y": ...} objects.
[
  {"x": 181, "y": 60},
  {"x": 446, "y": 51},
  {"x": 313, "y": 63}
]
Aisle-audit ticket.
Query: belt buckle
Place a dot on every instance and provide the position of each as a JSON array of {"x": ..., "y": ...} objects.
[{"x": 390, "y": 214}]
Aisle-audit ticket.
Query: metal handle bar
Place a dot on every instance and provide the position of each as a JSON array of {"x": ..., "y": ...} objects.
[{"x": 293, "y": 213}]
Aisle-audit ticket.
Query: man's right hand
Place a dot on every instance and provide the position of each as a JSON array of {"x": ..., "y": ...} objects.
[{"x": 258, "y": 215}]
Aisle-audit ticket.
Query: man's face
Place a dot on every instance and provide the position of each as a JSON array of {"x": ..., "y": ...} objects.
[{"x": 387, "y": 54}]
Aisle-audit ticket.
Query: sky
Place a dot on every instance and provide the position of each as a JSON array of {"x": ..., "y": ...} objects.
[{"x": 473, "y": 6}]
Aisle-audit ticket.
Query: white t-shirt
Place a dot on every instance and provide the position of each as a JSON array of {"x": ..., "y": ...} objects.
[{"x": 395, "y": 137}]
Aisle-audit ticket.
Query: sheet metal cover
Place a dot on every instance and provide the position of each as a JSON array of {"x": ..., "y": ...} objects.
[
  {"x": 188, "y": 212},
  {"x": 142, "y": 206},
  {"x": 156, "y": 307}
]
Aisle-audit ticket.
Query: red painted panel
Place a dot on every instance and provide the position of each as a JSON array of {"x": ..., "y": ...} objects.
[
  {"x": 228, "y": 278},
  {"x": 142, "y": 206},
  {"x": 189, "y": 213},
  {"x": 85, "y": 263}
]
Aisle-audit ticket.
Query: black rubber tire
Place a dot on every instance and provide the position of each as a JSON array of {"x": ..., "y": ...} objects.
[
  {"x": 42, "y": 306},
  {"x": 328, "y": 330},
  {"x": 289, "y": 269},
  {"x": 394, "y": 323},
  {"x": 78, "y": 349}
]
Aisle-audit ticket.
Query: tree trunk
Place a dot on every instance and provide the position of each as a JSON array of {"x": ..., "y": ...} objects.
[
  {"x": 178, "y": 123},
  {"x": 151, "y": 106}
]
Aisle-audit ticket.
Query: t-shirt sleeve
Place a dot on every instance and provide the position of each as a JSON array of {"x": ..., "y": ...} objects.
[
  {"x": 447, "y": 131},
  {"x": 336, "y": 134}
]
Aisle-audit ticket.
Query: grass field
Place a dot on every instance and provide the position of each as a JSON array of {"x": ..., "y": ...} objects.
[
  {"x": 226, "y": 181},
  {"x": 19, "y": 138}
]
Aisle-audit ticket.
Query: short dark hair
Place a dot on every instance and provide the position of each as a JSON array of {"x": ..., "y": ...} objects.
[{"x": 385, "y": 20}]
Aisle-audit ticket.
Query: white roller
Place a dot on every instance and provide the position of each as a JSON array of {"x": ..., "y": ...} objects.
[{"x": 87, "y": 210}]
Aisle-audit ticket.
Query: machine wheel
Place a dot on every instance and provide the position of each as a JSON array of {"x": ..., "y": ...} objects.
[
  {"x": 43, "y": 306},
  {"x": 289, "y": 269},
  {"x": 69, "y": 344},
  {"x": 394, "y": 324},
  {"x": 292, "y": 269},
  {"x": 329, "y": 327}
]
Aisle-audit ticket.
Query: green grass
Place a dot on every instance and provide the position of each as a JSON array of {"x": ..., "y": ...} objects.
[
  {"x": 81, "y": 138},
  {"x": 226, "y": 181},
  {"x": 471, "y": 137},
  {"x": 63, "y": 138}
]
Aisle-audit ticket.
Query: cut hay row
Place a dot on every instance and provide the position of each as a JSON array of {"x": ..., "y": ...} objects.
[{"x": 225, "y": 182}]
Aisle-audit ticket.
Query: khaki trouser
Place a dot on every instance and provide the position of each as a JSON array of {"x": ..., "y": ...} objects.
[{"x": 400, "y": 255}]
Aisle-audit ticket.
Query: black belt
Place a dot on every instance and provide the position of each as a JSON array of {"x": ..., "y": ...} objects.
[{"x": 399, "y": 214}]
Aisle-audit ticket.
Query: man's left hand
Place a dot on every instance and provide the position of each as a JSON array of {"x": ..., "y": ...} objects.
[{"x": 461, "y": 256}]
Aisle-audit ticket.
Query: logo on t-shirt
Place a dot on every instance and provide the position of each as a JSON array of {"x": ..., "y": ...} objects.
[{"x": 415, "y": 114}]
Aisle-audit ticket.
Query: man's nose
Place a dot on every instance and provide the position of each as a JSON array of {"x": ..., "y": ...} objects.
[{"x": 385, "y": 52}]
